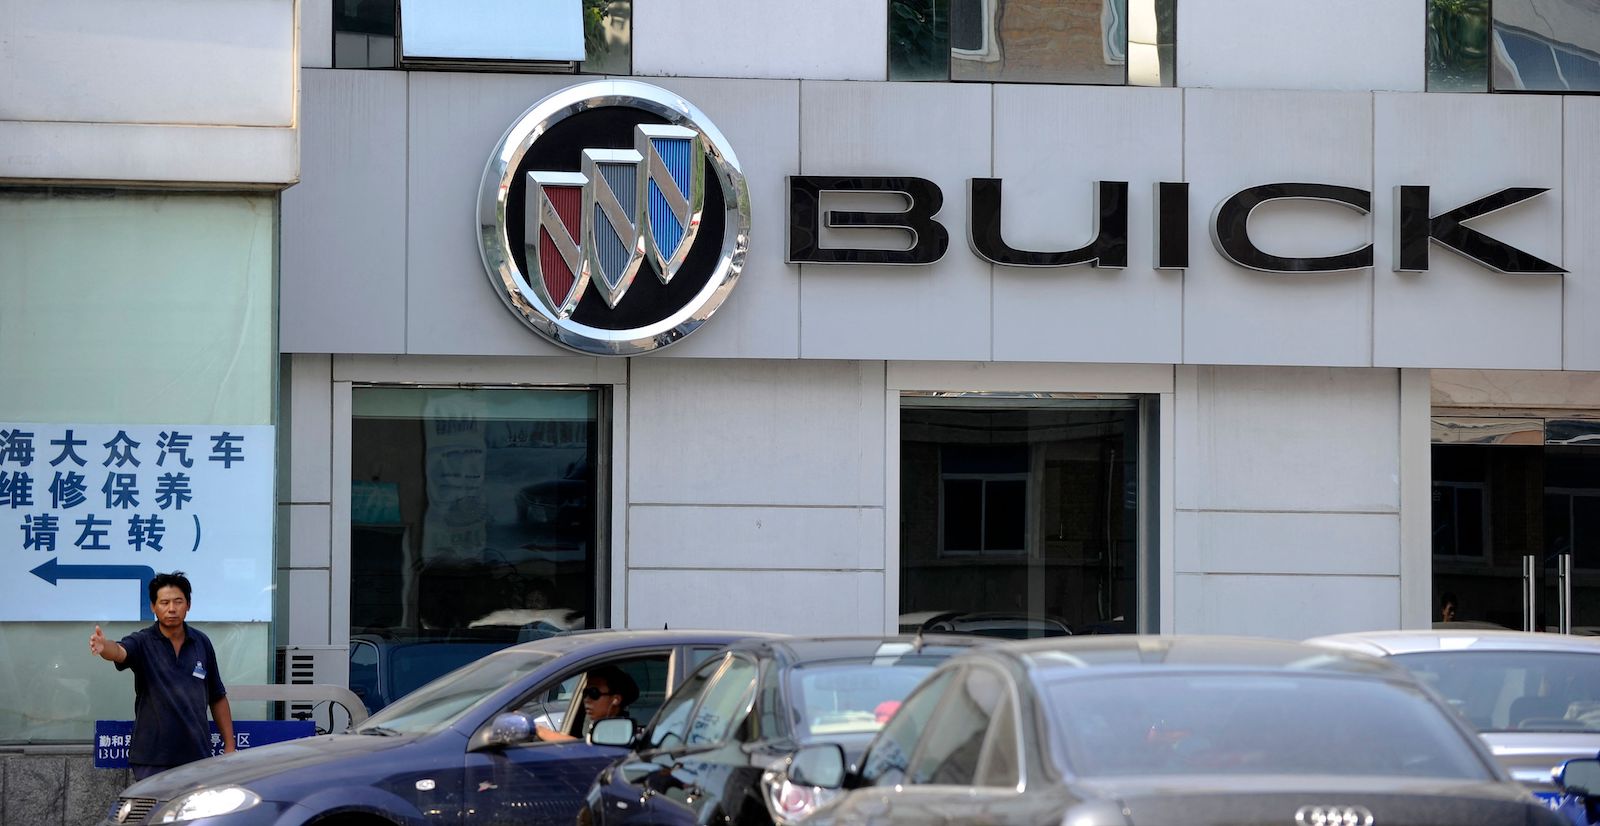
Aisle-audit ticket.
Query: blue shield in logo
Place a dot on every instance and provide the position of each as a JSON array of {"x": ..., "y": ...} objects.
[{"x": 675, "y": 185}]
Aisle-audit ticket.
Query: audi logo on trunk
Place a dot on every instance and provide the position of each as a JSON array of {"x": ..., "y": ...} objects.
[
  {"x": 613, "y": 218},
  {"x": 1333, "y": 816}
]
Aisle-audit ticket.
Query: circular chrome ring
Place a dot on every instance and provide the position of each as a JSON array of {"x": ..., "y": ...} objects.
[{"x": 495, "y": 247}]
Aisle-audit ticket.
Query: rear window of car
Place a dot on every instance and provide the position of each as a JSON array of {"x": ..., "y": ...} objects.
[
  {"x": 1515, "y": 690},
  {"x": 851, "y": 698},
  {"x": 1256, "y": 724}
]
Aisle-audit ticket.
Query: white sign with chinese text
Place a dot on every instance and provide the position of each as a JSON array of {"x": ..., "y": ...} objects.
[{"x": 89, "y": 513}]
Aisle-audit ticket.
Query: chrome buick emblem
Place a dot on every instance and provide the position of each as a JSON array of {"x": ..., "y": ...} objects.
[
  {"x": 123, "y": 810},
  {"x": 1333, "y": 816},
  {"x": 613, "y": 218}
]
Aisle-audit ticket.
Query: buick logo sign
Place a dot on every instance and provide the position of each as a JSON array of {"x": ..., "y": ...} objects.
[{"x": 613, "y": 218}]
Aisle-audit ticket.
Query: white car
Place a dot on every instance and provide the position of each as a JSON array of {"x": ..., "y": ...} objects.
[{"x": 1533, "y": 697}]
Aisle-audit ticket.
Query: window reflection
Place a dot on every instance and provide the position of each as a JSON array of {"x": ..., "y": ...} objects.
[
  {"x": 1546, "y": 45},
  {"x": 1458, "y": 45},
  {"x": 473, "y": 517},
  {"x": 1011, "y": 516},
  {"x": 1049, "y": 41}
]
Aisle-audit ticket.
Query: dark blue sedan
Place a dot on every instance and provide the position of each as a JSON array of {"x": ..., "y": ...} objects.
[{"x": 459, "y": 750}]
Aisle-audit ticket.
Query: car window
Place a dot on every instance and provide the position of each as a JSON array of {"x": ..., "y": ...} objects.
[
  {"x": 439, "y": 703},
  {"x": 889, "y": 755},
  {"x": 1515, "y": 690},
  {"x": 852, "y": 697},
  {"x": 559, "y": 702},
  {"x": 725, "y": 704},
  {"x": 672, "y": 723},
  {"x": 1000, "y": 763},
  {"x": 947, "y": 753},
  {"x": 1256, "y": 723},
  {"x": 700, "y": 653}
]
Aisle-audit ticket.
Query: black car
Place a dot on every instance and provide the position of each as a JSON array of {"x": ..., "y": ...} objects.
[
  {"x": 708, "y": 755},
  {"x": 459, "y": 750},
  {"x": 1156, "y": 731}
]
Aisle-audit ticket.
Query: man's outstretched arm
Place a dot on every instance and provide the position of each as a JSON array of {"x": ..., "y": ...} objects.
[
  {"x": 222, "y": 715},
  {"x": 106, "y": 649}
]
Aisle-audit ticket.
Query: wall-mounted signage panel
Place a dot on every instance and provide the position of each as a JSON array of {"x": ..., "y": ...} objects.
[{"x": 90, "y": 513}]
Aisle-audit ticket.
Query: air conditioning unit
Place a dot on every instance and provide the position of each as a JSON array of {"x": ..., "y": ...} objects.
[{"x": 307, "y": 665}]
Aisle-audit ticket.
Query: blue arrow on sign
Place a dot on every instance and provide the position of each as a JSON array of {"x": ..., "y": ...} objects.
[{"x": 50, "y": 572}]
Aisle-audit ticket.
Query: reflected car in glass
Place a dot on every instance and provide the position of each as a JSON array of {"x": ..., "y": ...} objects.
[
  {"x": 1156, "y": 731},
  {"x": 461, "y": 749},
  {"x": 708, "y": 755},
  {"x": 1533, "y": 697}
]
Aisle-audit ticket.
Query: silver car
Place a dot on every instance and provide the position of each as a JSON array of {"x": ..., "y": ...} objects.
[{"x": 1534, "y": 698}]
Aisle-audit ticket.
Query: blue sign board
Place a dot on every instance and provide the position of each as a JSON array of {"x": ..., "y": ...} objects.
[{"x": 113, "y": 737}]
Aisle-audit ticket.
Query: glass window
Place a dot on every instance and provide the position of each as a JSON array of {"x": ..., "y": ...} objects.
[
  {"x": 1113, "y": 42},
  {"x": 1000, "y": 763},
  {"x": 1546, "y": 46},
  {"x": 725, "y": 704},
  {"x": 948, "y": 752},
  {"x": 441, "y": 702},
  {"x": 1019, "y": 517},
  {"x": 852, "y": 698},
  {"x": 1511, "y": 690},
  {"x": 672, "y": 724},
  {"x": 473, "y": 521},
  {"x": 889, "y": 756},
  {"x": 1458, "y": 45},
  {"x": 592, "y": 36},
  {"x": 1202, "y": 724}
]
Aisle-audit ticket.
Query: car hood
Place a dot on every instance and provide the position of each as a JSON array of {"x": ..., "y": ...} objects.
[
  {"x": 1274, "y": 801},
  {"x": 1530, "y": 755},
  {"x": 324, "y": 760}
]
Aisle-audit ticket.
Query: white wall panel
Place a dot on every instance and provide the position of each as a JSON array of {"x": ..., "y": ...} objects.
[
  {"x": 455, "y": 121},
  {"x": 310, "y": 427},
  {"x": 1459, "y": 313},
  {"x": 822, "y": 39},
  {"x": 792, "y": 602},
  {"x": 308, "y": 536},
  {"x": 342, "y": 287},
  {"x": 307, "y": 622},
  {"x": 1288, "y": 543},
  {"x": 1234, "y": 315},
  {"x": 1293, "y": 439},
  {"x": 761, "y": 119},
  {"x": 1346, "y": 45},
  {"x": 1052, "y": 143},
  {"x": 1288, "y": 607},
  {"x": 149, "y": 153},
  {"x": 756, "y": 432},
  {"x": 936, "y": 131},
  {"x": 1581, "y": 191},
  {"x": 767, "y": 538},
  {"x": 153, "y": 61}
]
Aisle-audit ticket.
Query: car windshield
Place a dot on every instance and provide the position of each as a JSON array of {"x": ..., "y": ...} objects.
[
  {"x": 439, "y": 703},
  {"x": 1257, "y": 724},
  {"x": 854, "y": 697},
  {"x": 1515, "y": 690}
]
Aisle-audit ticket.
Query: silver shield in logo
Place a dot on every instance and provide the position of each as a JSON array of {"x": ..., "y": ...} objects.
[
  {"x": 629, "y": 177},
  {"x": 1333, "y": 816}
]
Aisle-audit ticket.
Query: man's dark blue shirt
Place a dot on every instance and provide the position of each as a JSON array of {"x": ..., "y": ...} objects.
[{"x": 172, "y": 696}]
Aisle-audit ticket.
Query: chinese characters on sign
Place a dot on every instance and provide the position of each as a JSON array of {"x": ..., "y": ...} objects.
[
  {"x": 94, "y": 511},
  {"x": 112, "y": 738}
]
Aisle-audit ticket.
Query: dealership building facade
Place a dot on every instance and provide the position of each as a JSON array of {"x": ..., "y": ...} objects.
[{"x": 1144, "y": 345}]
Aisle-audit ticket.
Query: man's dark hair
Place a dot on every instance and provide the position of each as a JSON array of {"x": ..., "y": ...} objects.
[
  {"x": 176, "y": 579},
  {"x": 618, "y": 681}
]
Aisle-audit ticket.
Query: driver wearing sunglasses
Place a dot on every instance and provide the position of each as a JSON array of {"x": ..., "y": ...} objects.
[{"x": 607, "y": 692}]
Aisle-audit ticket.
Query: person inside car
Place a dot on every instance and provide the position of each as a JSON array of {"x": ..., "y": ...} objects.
[{"x": 607, "y": 692}]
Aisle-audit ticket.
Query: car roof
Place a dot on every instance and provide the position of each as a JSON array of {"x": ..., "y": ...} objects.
[
  {"x": 600, "y": 640},
  {"x": 823, "y": 649},
  {"x": 1134, "y": 653},
  {"x": 1387, "y": 643}
]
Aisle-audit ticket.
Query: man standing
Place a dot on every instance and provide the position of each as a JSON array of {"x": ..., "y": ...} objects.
[{"x": 175, "y": 679}]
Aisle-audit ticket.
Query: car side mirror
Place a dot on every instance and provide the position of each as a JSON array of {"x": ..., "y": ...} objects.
[
  {"x": 820, "y": 764},
  {"x": 1579, "y": 777},
  {"x": 612, "y": 731},
  {"x": 509, "y": 729}
]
